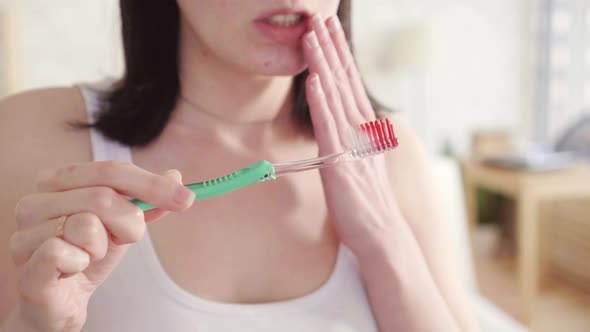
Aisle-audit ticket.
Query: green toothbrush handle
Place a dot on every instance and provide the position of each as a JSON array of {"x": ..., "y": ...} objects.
[{"x": 258, "y": 171}]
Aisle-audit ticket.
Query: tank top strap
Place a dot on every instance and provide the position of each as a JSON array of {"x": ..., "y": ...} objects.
[{"x": 103, "y": 148}]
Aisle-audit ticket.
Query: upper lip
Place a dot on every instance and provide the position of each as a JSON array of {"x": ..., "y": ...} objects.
[{"x": 285, "y": 11}]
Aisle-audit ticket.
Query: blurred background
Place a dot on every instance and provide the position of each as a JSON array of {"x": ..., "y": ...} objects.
[{"x": 499, "y": 91}]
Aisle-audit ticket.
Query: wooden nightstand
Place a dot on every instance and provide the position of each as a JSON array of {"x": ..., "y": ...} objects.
[{"x": 529, "y": 190}]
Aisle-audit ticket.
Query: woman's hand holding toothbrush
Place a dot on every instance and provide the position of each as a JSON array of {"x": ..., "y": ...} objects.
[
  {"x": 73, "y": 232},
  {"x": 359, "y": 196}
]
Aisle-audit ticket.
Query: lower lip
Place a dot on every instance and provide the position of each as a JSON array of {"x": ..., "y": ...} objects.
[{"x": 282, "y": 34}]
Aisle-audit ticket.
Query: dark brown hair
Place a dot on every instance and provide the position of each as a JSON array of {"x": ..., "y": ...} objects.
[{"x": 136, "y": 111}]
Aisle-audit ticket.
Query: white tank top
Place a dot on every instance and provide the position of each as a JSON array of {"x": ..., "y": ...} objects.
[{"x": 140, "y": 296}]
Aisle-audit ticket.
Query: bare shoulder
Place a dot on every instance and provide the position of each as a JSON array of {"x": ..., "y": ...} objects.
[
  {"x": 35, "y": 127},
  {"x": 411, "y": 173},
  {"x": 35, "y": 130},
  {"x": 410, "y": 154},
  {"x": 34, "y": 135}
]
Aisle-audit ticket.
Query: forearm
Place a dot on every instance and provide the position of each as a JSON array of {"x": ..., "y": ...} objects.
[{"x": 401, "y": 290}]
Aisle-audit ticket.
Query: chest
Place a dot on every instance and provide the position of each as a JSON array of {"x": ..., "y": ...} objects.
[
  {"x": 340, "y": 304},
  {"x": 268, "y": 242}
]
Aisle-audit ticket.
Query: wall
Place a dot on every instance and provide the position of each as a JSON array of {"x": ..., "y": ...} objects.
[
  {"x": 477, "y": 72},
  {"x": 61, "y": 42},
  {"x": 5, "y": 59}
]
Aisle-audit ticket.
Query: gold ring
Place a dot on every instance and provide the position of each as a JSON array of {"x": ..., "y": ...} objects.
[{"x": 61, "y": 224}]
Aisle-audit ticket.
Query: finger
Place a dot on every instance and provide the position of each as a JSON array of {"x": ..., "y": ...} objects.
[
  {"x": 340, "y": 77},
  {"x": 25, "y": 241},
  {"x": 318, "y": 64},
  {"x": 37, "y": 208},
  {"x": 52, "y": 259},
  {"x": 124, "y": 177},
  {"x": 124, "y": 220},
  {"x": 86, "y": 231},
  {"x": 324, "y": 127},
  {"x": 155, "y": 214},
  {"x": 350, "y": 68}
]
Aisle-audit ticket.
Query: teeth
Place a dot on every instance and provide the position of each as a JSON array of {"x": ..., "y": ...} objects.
[{"x": 284, "y": 20}]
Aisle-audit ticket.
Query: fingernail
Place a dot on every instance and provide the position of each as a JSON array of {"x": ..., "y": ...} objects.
[
  {"x": 315, "y": 83},
  {"x": 83, "y": 260},
  {"x": 183, "y": 195},
  {"x": 315, "y": 79},
  {"x": 312, "y": 40},
  {"x": 317, "y": 18},
  {"x": 175, "y": 174},
  {"x": 172, "y": 172},
  {"x": 334, "y": 23},
  {"x": 318, "y": 22},
  {"x": 80, "y": 258}
]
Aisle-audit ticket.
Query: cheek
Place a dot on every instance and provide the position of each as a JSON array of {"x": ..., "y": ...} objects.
[
  {"x": 211, "y": 17},
  {"x": 226, "y": 12}
]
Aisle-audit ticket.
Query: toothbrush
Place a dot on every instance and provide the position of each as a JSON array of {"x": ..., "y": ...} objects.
[{"x": 369, "y": 139}]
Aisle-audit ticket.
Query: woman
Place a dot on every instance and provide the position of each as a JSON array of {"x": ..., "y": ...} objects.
[{"x": 209, "y": 87}]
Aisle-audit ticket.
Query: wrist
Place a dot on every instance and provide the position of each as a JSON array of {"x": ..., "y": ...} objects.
[
  {"x": 397, "y": 278},
  {"x": 15, "y": 322},
  {"x": 393, "y": 252},
  {"x": 23, "y": 319},
  {"x": 385, "y": 245}
]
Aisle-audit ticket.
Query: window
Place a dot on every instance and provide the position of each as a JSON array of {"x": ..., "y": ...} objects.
[
  {"x": 561, "y": 22},
  {"x": 560, "y": 57},
  {"x": 563, "y": 82},
  {"x": 559, "y": 92}
]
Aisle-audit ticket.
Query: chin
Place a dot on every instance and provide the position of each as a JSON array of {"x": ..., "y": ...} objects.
[{"x": 282, "y": 70}]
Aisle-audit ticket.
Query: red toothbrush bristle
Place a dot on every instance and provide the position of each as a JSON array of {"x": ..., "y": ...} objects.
[
  {"x": 381, "y": 142},
  {"x": 364, "y": 128},
  {"x": 386, "y": 140},
  {"x": 391, "y": 133},
  {"x": 373, "y": 133},
  {"x": 380, "y": 134}
]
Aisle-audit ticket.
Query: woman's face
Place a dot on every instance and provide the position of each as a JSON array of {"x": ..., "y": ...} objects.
[{"x": 259, "y": 36}]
